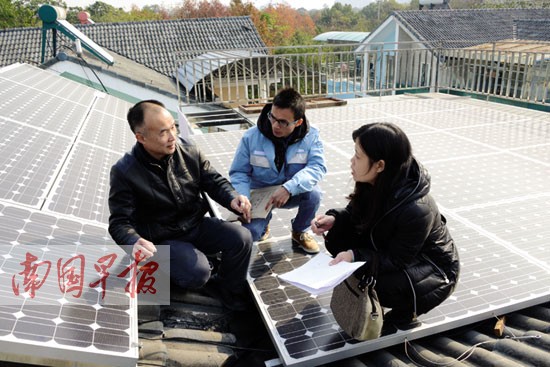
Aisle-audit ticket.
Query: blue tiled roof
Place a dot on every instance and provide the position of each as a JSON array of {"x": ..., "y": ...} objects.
[
  {"x": 150, "y": 43},
  {"x": 466, "y": 27}
]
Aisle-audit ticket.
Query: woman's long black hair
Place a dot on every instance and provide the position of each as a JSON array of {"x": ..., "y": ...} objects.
[{"x": 380, "y": 141}]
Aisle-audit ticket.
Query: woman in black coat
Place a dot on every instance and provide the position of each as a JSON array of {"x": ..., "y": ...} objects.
[{"x": 392, "y": 216}]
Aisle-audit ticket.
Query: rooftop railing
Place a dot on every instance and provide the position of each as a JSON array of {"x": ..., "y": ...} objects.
[{"x": 516, "y": 70}]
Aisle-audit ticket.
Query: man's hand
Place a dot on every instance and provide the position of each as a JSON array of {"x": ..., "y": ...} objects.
[
  {"x": 243, "y": 206},
  {"x": 279, "y": 198},
  {"x": 146, "y": 247}
]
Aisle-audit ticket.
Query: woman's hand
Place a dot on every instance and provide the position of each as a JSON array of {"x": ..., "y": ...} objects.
[
  {"x": 342, "y": 256},
  {"x": 322, "y": 223}
]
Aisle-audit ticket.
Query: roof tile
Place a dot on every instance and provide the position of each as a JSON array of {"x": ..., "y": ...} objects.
[
  {"x": 151, "y": 43},
  {"x": 467, "y": 27}
]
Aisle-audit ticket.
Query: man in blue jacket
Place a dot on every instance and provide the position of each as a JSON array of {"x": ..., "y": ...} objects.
[{"x": 283, "y": 149}]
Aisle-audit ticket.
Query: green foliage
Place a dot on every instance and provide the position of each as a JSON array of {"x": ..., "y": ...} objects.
[
  {"x": 277, "y": 24},
  {"x": 105, "y": 13},
  {"x": 8, "y": 14},
  {"x": 376, "y": 13},
  {"x": 339, "y": 18},
  {"x": 23, "y": 13}
]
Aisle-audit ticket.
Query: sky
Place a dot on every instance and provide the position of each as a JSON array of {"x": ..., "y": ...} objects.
[{"x": 308, "y": 4}]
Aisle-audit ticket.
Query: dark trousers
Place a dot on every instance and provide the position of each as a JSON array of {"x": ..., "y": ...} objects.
[{"x": 189, "y": 266}]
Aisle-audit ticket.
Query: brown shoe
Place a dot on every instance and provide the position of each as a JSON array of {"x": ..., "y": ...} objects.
[
  {"x": 266, "y": 234},
  {"x": 305, "y": 241}
]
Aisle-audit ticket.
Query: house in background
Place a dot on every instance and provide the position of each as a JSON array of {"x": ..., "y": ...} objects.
[
  {"x": 410, "y": 46},
  {"x": 162, "y": 45},
  {"x": 145, "y": 58},
  {"x": 145, "y": 52}
]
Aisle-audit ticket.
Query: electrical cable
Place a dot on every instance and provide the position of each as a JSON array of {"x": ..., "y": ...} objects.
[
  {"x": 462, "y": 357},
  {"x": 93, "y": 71}
]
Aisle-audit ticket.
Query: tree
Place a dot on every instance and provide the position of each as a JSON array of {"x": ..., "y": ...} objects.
[
  {"x": 376, "y": 13},
  {"x": 238, "y": 8},
  {"x": 285, "y": 25},
  {"x": 23, "y": 13},
  {"x": 201, "y": 9},
  {"x": 136, "y": 14},
  {"x": 8, "y": 15},
  {"x": 340, "y": 17},
  {"x": 105, "y": 13}
]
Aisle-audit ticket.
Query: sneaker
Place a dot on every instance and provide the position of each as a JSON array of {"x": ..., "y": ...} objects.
[
  {"x": 305, "y": 241},
  {"x": 266, "y": 234}
]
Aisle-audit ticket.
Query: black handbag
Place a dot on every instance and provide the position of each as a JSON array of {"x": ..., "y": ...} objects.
[{"x": 355, "y": 305}]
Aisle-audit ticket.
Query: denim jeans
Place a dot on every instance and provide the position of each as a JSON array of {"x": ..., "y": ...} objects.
[{"x": 307, "y": 203}]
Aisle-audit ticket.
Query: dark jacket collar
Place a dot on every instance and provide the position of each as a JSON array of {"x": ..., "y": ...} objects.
[
  {"x": 265, "y": 128},
  {"x": 143, "y": 156}
]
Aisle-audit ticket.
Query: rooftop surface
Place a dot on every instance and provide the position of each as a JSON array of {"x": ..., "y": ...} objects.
[{"x": 489, "y": 165}]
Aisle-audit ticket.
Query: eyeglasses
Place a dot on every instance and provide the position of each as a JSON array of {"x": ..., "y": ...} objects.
[{"x": 282, "y": 123}]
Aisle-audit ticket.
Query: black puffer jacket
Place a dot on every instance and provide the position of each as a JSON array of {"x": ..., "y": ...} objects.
[
  {"x": 410, "y": 238},
  {"x": 158, "y": 200}
]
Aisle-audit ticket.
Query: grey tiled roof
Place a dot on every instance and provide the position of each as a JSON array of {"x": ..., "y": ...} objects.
[
  {"x": 466, "y": 27},
  {"x": 536, "y": 30},
  {"x": 151, "y": 43},
  {"x": 21, "y": 45}
]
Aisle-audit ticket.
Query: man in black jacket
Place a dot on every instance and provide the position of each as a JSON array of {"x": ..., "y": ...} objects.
[{"x": 155, "y": 200}]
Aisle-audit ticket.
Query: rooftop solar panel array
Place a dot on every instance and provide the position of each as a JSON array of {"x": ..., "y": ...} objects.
[
  {"x": 489, "y": 167},
  {"x": 60, "y": 140}
]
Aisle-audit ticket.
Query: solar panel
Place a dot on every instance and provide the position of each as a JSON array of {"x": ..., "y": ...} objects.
[
  {"x": 31, "y": 82},
  {"x": 29, "y": 160},
  {"x": 488, "y": 163},
  {"x": 87, "y": 42},
  {"x": 55, "y": 157},
  {"x": 87, "y": 327},
  {"x": 83, "y": 188},
  {"x": 489, "y": 170}
]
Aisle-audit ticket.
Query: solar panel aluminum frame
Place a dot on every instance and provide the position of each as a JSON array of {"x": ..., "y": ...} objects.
[{"x": 48, "y": 354}]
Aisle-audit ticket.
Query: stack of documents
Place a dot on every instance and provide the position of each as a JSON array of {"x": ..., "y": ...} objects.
[{"x": 317, "y": 276}]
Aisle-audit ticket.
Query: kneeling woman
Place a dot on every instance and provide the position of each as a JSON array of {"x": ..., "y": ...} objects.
[{"x": 391, "y": 215}]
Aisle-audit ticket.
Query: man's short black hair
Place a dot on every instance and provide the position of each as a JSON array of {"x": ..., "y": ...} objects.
[
  {"x": 290, "y": 98},
  {"x": 135, "y": 113}
]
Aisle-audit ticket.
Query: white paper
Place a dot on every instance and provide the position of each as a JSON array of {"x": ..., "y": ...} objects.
[
  {"x": 317, "y": 276},
  {"x": 259, "y": 199}
]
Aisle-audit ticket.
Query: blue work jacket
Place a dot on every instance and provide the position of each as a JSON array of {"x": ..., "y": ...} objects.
[{"x": 254, "y": 163}]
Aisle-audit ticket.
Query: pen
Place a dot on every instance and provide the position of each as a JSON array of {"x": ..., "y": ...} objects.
[{"x": 318, "y": 225}]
